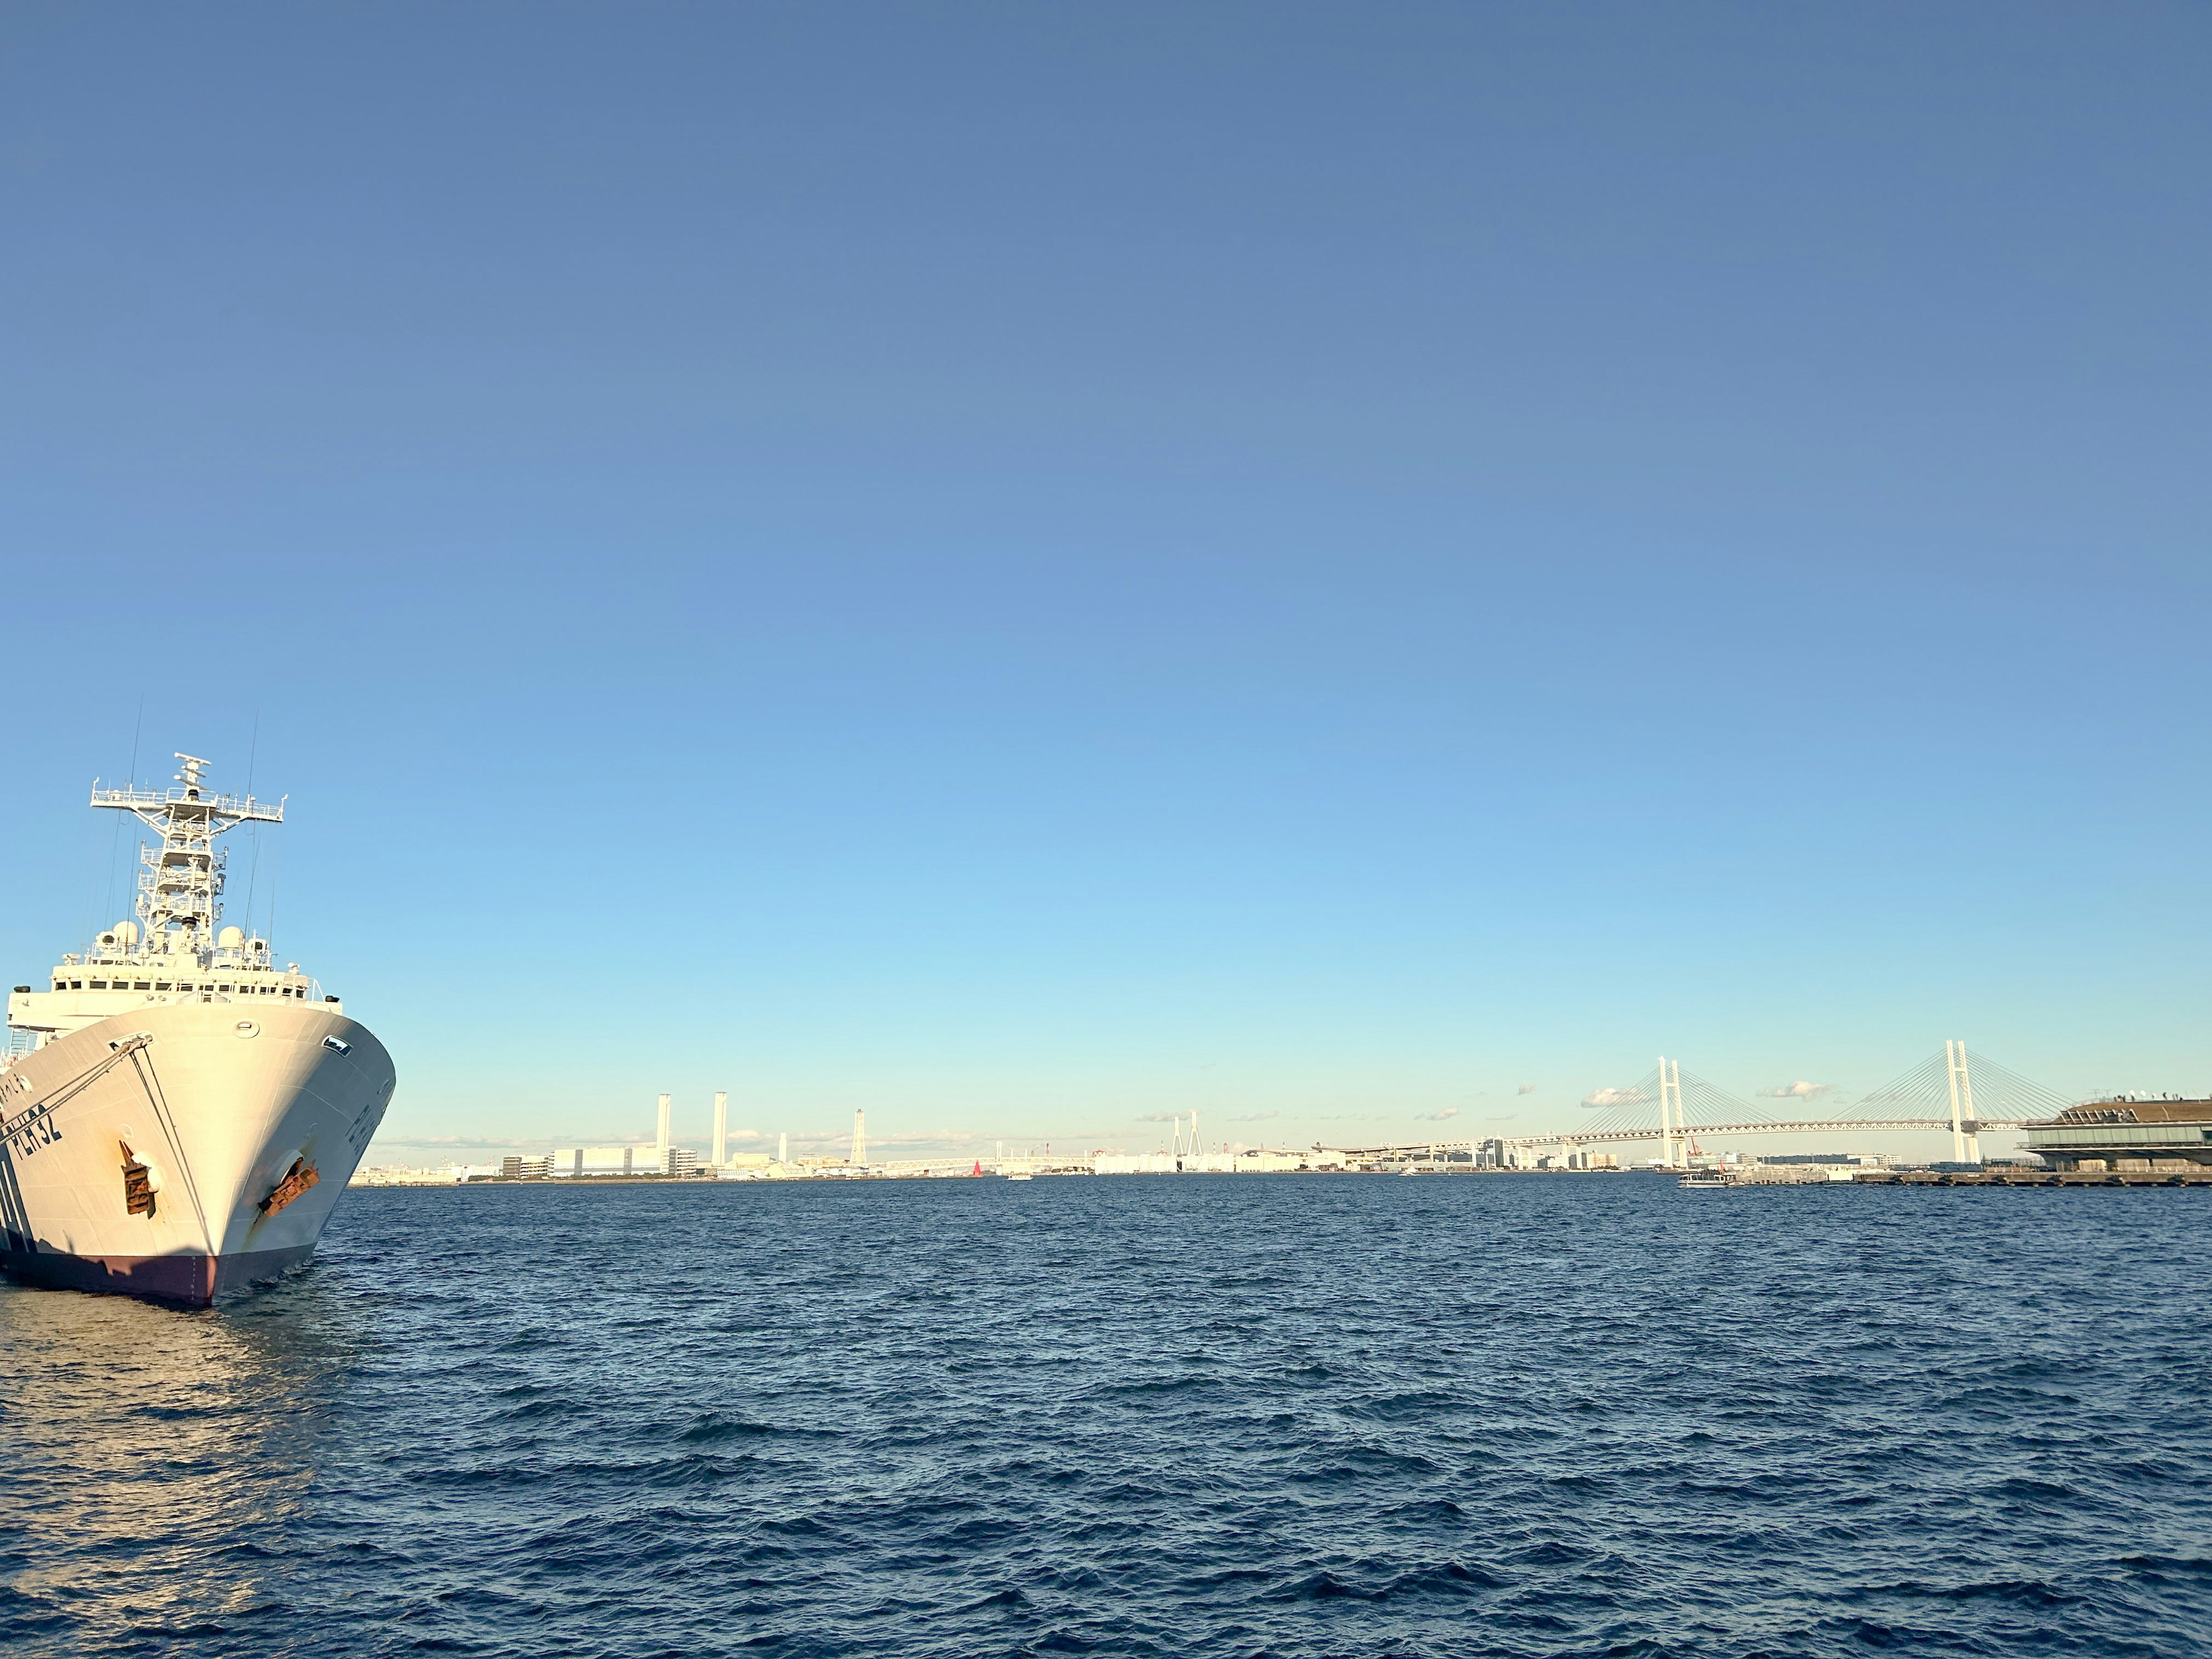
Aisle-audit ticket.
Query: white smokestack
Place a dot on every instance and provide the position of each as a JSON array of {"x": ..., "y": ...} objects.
[
  {"x": 721, "y": 1124},
  {"x": 860, "y": 1137},
  {"x": 660, "y": 1134},
  {"x": 783, "y": 1147}
]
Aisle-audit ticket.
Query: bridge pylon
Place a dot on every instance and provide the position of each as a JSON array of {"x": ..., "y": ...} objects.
[
  {"x": 1670, "y": 1091},
  {"x": 1965, "y": 1130}
]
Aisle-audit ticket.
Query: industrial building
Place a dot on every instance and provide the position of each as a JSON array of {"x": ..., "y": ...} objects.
[{"x": 661, "y": 1158}]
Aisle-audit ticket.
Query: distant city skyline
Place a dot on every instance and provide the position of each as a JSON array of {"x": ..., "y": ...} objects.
[
  {"x": 1476, "y": 1123},
  {"x": 1032, "y": 573}
]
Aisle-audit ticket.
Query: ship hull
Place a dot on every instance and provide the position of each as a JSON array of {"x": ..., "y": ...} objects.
[
  {"x": 221, "y": 1110},
  {"x": 188, "y": 1281}
]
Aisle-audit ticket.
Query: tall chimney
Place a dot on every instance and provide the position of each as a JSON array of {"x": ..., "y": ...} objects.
[
  {"x": 860, "y": 1137},
  {"x": 783, "y": 1147},
  {"x": 660, "y": 1134},
  {"x": 721, "y": 1124}
]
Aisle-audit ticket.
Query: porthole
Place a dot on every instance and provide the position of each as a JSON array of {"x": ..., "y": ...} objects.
[{"x": 246, "y": 1028}]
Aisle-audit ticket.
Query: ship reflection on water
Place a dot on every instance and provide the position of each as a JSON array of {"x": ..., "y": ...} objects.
[{"x": 148, "y": 1449}]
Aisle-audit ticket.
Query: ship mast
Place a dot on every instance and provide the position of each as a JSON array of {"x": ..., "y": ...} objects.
[{"x": 180, "y": 881}]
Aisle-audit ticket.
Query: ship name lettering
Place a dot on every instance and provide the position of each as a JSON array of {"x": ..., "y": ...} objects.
[{"x": 35, "y": 1129}]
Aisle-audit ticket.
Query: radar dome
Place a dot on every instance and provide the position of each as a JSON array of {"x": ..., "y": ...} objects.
[
  {"x": 126, "y": 932},
  {"x": 230, "y": 938}
]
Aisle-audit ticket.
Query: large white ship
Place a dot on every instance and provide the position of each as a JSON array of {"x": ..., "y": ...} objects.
[{"x": 179, "y": 1113}]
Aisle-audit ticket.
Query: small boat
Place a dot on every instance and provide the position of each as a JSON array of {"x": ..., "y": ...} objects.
[
  {"x": 1022, "y": 1175},
  {"x": 1709, "y": 1181}
]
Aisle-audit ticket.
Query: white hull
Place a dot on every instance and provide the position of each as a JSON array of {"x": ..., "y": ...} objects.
[{"x": 222, "y": 1102}]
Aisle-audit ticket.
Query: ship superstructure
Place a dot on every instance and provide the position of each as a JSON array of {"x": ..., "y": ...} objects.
[{"x": 178, "y": 1112}]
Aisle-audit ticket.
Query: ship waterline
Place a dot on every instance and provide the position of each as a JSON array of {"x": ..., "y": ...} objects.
[{"x": 188, "y": 1113}]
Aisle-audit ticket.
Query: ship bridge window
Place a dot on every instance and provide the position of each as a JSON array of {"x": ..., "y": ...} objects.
[
  {"x": 162, "y": 985},
  {"x": 223, "y": 987},
  {"x": 100, "y": 985},
  {"x": 76, "y": 985},
  {"x": 141, "y": 986}
]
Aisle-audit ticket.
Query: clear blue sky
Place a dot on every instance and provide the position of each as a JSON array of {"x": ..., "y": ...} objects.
[{"x": 1031, "y": 568}]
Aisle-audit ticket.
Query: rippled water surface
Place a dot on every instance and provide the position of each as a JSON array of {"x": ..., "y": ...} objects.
[{"x": 1151, "y": 1415}]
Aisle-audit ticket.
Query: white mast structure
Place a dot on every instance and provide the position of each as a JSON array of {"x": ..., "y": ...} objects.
[
  {"x": 721, "y": 1126},
  {"x": 180, "y": 881},
  {"x": 174, "y": 951}
]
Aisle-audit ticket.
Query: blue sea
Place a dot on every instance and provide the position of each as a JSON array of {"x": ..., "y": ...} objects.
[{"x": 1196, "y": 1415}]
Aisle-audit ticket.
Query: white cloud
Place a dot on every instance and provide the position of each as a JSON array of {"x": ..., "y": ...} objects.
[
  {"x": 1435, "y": 1117},
  {"x": 1526, "y": 1088},
  {"x": 1800, "y": 1089},
  {"x": 1615, "y": 1097},
  {"x": 1254, "y": 1117}
]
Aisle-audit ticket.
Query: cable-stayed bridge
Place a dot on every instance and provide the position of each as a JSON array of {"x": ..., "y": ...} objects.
[{"x": 1946, "y": 1091}]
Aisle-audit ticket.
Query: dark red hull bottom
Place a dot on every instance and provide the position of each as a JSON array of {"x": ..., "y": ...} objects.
[{"x": 190, "y": 1281}]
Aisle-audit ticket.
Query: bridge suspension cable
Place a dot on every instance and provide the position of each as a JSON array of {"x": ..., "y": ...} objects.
[
  {"x": 1944, "y": 1092},
  {"x": 1670, "y": 1105}
]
